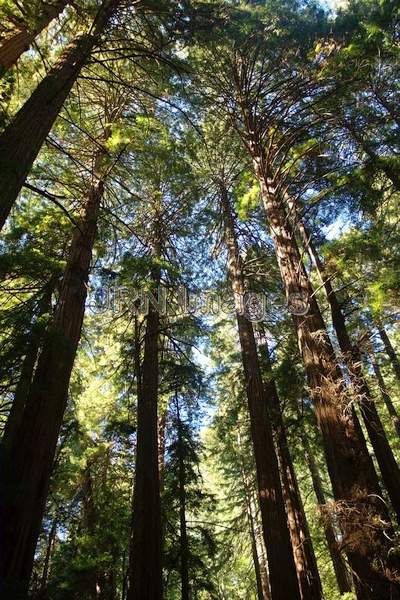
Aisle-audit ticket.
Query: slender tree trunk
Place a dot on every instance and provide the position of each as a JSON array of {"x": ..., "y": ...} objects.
[
  {"x": 390, "y": 351},
  {"x": 89, "y": 518},
  {"x": 21, "y": 141},
  {"x": 162, "y": 420},
  {"x": 303, "y": 550},
  {"x": 261, "y": 572},
  {"x": 47, "y": 560},
  {"x": 354, "y": 480},
  {"x": 261, "y": 551},
  {"x": 25, "y": 475},
  {"x": 17, "y": 41},
  {"x": 339, "y": 565},
  {"x": 184, "y": 543},
  {"x": 145, "y": 564},
  {"x": 384, "y": 393},
  {"x": 282, "y": 571},
  {"x": 352, "y": 357}
]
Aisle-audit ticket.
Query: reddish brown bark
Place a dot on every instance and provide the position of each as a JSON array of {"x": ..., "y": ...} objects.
[
  {"x": 145, "y": 562},
  {"x": 282, "y": 571},
  {"x": 352, "y": 357},
  {"x": 21, "y": 141},
  {"x": 341, "y": 571},
  {"x": 28, "y": 461},
  {"x": 257, "y": 543},
  {"x": 303, "y": 550},
  {"x": 17, "y": 41},
  {"x": 354, "y": 481}
]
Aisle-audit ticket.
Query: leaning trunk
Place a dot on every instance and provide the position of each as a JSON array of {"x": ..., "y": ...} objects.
[
  {"x": 339, "y": 566},
  {"x": 390, "y": 351},
  {"x": 21, "y": 141},
  {"x": 354, "y": 480},
  {"x": 260, "y": 569},
  {"x": 17, "y": 41},
  {"x": 28, "y": 462},
  {"x": 384, "y": 393},
  {"x": 282, "y": 572},
  {"x": 306, "y": 564},
  {"x": 351, "y": 355}
]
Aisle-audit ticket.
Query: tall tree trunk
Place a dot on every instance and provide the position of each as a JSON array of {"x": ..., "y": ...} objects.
[
  {"x": 282, "y": 571},
  {"x": 260, "y": 569},
  {"x": 145, "y": 564},
  {"x": 89, "y": 518},
  {"x": 25, "y": 474},
  {"x": 183, "y": 537},
  {"x": 384, "y": 392},
  {"x": 303, "y": 550},
  {"x": 390, "y": 351},
  {"x": 47, "y": 559},
  {"x": 162, "y": 420},
  {"x": 354, "y": 480},
  {"x": 17, "y": 41},
  {"x": 339, "y": 566},
  {"x": 21, "y": 141},
  {"x": 352, "y": 357}
]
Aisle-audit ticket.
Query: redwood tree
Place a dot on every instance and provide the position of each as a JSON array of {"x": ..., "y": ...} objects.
[{"x": 21, "y": 141}]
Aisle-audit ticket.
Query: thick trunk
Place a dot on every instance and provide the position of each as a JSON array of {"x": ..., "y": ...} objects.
[
  {"x": 384, "y": 393},
  {"x": 28, "y": 463},
  {"x": 21, "y": 141},
  {"x": 17, "y": 41},
  {"x": 341, "y": 571},
  {"x": 390, "y": 351},
  {"x": 145, "y": 565},
  {"x": 306, "y": 564},
  {"x": 282, "y": 571},
  {"x": 351, "y": 355},
  {"x": 354, "y": 480},
  {"x": 183, "y": 537}
]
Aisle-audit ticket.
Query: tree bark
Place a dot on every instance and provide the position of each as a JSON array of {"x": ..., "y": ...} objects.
[
  {"x": 28, "y": 462},
  {"x": 184, "y": 543},
  {"x": 282, "y": 571},
  {"x": 354, "y": 480},
  {"x": 260, "y": 569},
  {"x": 384, "y": 393},
  {"x": 162, "y": 420},
  {"x": 339, "y": 566},
  {"x": 303, "y": 550},
  {"x": 21, "y": 141},
  {"x": 145, "y": 563},
  {"x": 47, "y": 559},
  {"x": 17, "y": 41},
  {"x": 390, "y": 351},
  {"x": 352, "y": 357}
]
